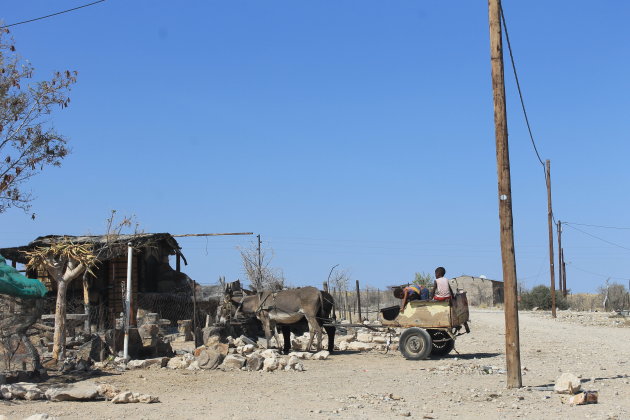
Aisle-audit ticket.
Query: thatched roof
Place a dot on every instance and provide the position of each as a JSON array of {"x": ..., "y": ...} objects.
[{"x": 114, "y": 245}]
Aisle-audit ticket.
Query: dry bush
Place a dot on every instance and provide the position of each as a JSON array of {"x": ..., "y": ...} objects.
[{"x": 585, "y": 302}]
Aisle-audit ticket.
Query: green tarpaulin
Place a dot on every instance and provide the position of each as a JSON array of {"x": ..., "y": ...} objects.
[{"x": 13, "y": 283}]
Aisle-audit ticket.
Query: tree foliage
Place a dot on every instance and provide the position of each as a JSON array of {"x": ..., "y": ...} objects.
[
  {"x": 261, "y": 275},
  {"x": 614, "y": 296},
  {"x": 27, "y": 141},
  {"x": 339, "y": 280},
  {"x": 424, "y": 279}
]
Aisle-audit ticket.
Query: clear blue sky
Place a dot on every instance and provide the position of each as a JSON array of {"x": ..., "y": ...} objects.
[{"x": 357, "y": 133}]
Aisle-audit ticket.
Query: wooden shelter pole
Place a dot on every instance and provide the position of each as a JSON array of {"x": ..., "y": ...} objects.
[
  {"x": 211, "y": 234},
  {"x": 128, "y": 301},
  {"x": 552, "y": 271},
  {"x": 513, "y": 357}
]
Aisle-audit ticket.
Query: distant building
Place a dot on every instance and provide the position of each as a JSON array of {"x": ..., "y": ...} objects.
[{"x": 480, "y": 291}]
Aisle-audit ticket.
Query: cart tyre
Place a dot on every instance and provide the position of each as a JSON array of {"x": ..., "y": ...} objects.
[
  {"x": 415, "y": 344},
  {"x": 441, "y": 348}
]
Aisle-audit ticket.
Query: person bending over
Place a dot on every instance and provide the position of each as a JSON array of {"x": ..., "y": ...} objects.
[{"x": 412, "y": 292}]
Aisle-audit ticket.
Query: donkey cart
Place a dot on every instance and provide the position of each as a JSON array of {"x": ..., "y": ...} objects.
[{"x": 430, "y": 327}]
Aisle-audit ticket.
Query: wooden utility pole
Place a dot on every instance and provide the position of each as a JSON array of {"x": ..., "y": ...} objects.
[
  {"x": 552, "y": 271},
  {"x": 259, "y": 263},
  {"x": 513, "y": 356},
  {"x": 564, "y": 276},
  {"x": 560, "y": 277}
]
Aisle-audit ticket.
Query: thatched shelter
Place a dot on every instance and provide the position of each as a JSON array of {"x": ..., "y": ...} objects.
[{"x": 154, "y": 281}]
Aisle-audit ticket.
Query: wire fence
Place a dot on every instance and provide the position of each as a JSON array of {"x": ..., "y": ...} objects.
[{"x": 17, "y": 315}]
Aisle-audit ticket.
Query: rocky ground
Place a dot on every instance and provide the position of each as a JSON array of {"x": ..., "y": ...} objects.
[{"x": 374, "y": 385}]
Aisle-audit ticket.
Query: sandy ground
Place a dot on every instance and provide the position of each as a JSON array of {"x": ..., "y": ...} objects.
[{"x": 376, "y": 385}]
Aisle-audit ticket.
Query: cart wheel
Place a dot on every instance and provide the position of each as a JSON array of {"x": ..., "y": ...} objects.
[
  {"x": 443, "y": 344},
  {"x": 415, "y": 344}
]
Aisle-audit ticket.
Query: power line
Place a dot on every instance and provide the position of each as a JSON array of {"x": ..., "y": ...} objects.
[
  {"x": 597, "y": 237},
  {"x": 518, "y": 86},
  {"x": 595, "y": 274},
  {"x": 597, "y": 226},
  {"x": 53, "y": 14}
]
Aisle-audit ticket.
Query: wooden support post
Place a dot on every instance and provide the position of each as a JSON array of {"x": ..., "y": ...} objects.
[
  {"x": 348, "y": 309},
  {"x": 86, "y": 302},
  {"x": 178, "y": 263},
  {"x": 552, "y": 271},
  {"x": 194, "y": 317},
  {"x": 13, "y": 263},
  {"x": 513, "y": 357},
  {"x": 378, "y": 303},
  {"x": 367, "y": 303},
  {"x": 359, "y": 301},
  {"x": 325, "y": 286}
]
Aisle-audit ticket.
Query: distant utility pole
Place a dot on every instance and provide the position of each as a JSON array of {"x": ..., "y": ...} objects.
[
  {"x": 513, "y": 357},
  {"x": 564, "y": 276},
  {"x": 560, "y": 275},
  {"x": 552, "y": 271},
  {"x": 259, "y": 263}
]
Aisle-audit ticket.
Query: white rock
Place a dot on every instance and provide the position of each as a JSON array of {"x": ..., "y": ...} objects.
[
  {"x": 270, "y": 353},
  {"x": 194, "y": 365},
  {"x": 233, "y": 361},
  {"x": 567, "y": 383},
  {"x": 320, "y": 355},
  {"x": 293, "y": 360},
  {"x": 347, "y": 338},
  {"x": 79, "y": 391},
  {"x": 343, "y": 346},
  {"x": 365, "y": 338},
  {"x": 357, "y": 345},
  {"x": 270, "y": 364},
  {"x": 301, "y": 354},
  {"x": 282, "y": 362},
  {"x": 22, "y": 391},
  {"x": 36, "y": 417},
  {"x": 143, "y": 364},
  {"x": 133, "y": 397},
  {"x": 177, "y": 362},
  {"x": 379, "y": 339}
]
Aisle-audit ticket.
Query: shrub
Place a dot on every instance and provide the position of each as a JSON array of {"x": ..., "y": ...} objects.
[{"x": 540, "y": 297}]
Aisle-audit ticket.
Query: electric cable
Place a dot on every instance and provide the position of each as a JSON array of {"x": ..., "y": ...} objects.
[{"x": 53, "y": 14}]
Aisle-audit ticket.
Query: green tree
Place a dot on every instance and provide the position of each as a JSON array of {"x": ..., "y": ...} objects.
[
  {"x": 27, "y": 142},
  {"x": 424, "y": 279}
]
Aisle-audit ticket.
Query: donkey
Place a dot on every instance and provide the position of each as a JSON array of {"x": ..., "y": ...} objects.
[
  {"x": 302, "y": 325},
  {"x": 284, "y": 307}
]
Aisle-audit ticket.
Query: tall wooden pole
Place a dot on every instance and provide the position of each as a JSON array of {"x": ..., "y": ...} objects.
[
  {"x": 513, "y": 357},
  {"x": 260, "y": 279},
  {"x": 552, "y": 271},
  {"x": 564, "y": 276},
  {"x": 560, "y": 277}
]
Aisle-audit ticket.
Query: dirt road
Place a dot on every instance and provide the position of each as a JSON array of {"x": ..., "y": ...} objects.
[{"x": 375, "y": 386}]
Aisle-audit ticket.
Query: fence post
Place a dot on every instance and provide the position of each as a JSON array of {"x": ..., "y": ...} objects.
[
  {"x": 359, "y": 301},
  {"x": 348, "y": 309},
  {"x": 378, "y": 303}
]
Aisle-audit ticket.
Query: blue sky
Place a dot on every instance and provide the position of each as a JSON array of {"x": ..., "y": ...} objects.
[{"x": 357, "y": 133}]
